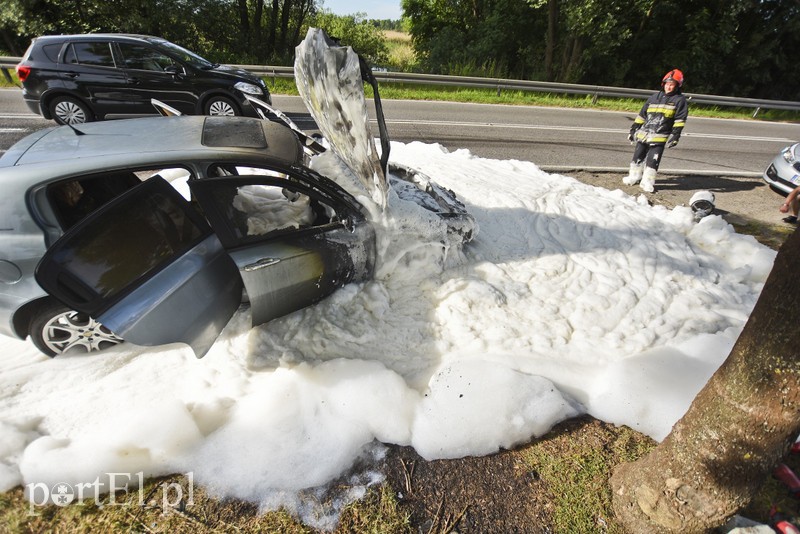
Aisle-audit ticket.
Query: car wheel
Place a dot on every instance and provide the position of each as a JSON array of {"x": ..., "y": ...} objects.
[
  {"x": 220, "y": 105},
  {"x": 57, "y": 329},
  {"x": 68, "y": 110}
]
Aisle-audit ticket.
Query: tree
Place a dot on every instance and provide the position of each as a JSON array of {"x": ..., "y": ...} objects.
[
  {"x": 737, "y": 429},
  {"x": 356, "y": 31}
]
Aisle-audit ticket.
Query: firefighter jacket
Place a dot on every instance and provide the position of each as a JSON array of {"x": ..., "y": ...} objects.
[{"x": 663, "y": 114}]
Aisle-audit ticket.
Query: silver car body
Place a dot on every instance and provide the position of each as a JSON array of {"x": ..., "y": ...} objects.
[
  {"x": 57, "y": 155},
  {"x": 783, "y": 174},
  {"x": 89, "y": 214}
]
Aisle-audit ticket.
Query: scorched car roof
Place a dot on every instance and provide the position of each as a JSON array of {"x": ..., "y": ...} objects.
[{"x": 149, "y": 139}]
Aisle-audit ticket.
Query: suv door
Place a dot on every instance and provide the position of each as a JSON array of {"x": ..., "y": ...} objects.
[
  {"x": 293, "y": 245},
  {"x": 153, "y": 74},
  {"x": 89, "y": 69},
  {"x": 148, "y": 267}
]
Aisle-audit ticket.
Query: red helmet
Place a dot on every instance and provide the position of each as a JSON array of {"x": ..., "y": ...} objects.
[{"x": 673, "y": 76}]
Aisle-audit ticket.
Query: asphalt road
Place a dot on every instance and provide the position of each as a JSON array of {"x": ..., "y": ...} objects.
[
  {"x": 731, "y": 154},
  {"x": 576, "y": 139}
]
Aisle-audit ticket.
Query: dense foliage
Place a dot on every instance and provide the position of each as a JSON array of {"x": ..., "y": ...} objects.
[
  {"x": 742, "y": 48},
  {"x": 730, "y": 47},
  {"x": 231, "y": 31}
]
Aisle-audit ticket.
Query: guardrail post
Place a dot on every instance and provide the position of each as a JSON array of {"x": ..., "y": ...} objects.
[
  {"x": 7, "y": 75},
  {"x": 498, "y": 90},
  {"x": 756, "y": 112},
  {"x": 594, "y": 98}
]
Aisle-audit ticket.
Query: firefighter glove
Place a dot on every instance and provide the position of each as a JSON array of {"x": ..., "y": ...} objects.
[
  {"x": 632, "y": 133},
  {"x": 673, "y": 140}
]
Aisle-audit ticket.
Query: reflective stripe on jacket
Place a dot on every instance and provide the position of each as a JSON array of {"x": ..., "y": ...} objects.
[{"x": 663, "y": 114}]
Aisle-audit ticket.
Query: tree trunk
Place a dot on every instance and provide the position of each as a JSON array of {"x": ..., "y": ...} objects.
[
  {"x": 244, "y": 23},
  {"x": 736, "y": 430},
  {"x": 286, "y": 12},
  {"x": 550, "y": 42},
  {"x": 305, "y": 9},
  {"x": 257, "y": 43},
  {"x": 11, "y": 46},
  {"x": 273, "y": 25}
]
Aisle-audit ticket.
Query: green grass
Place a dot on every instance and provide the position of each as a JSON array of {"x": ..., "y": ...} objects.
[
  {"x": 377, "y": 512},
  {"x": 577, "y": 472},
  {"x": 5, "y": 74},
  {"x": 400, "y": 91}
]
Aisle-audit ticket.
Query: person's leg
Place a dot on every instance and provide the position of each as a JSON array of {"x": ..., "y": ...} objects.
[
  {"x": 794, "y": 205},
  {"x": 637, "y": 165},
  {"x": 651, "y": 168}
]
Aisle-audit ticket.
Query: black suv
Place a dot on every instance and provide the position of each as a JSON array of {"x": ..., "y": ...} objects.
[{"x": 80, "y": 78}]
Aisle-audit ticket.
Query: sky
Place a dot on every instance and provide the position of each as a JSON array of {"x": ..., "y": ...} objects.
[
  {"x": 570, "y": 300},
  {"x": 375, "y": 9}
]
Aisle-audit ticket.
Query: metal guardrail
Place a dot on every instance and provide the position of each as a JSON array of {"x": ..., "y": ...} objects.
[{"x": 7, "y": 63}]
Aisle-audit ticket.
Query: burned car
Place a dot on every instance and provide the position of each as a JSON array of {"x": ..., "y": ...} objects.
[{"x": 155, "y": 230}]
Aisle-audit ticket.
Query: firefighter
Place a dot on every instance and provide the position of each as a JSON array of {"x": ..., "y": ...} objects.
[{"x": 658, "y": 124}]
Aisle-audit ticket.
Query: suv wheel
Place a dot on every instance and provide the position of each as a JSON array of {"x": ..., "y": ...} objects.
[
  {"x": 220, "y": 105},
  {"x": 68, "y": 110},
  {"x": 56, "y": 329}
]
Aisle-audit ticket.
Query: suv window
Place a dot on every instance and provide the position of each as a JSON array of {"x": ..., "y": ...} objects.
[
  {"x": 97, "y": 54},
  {"x": 51, "y": 51},
  {"x": 144, "y": 58}
]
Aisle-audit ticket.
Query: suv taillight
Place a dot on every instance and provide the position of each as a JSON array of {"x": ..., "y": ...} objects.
[{"x": 22, "y": 72}]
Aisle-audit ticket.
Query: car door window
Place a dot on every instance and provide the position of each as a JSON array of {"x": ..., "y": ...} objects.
[
  {"x": 262, "y": 203},
  {"x": 147, "y": 266},
  {"x": 132, "y": 239},
  {"x": 293, "y": 242},
  {"x": 144, "y": 58},
  {"x": 74, "y": 199},
  {"x": 95, "y": 53}
]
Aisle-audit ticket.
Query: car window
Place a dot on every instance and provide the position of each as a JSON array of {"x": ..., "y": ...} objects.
[
  {"x": 97, "y": 54},
  {"x": 261, "y": 209},
  {"x": 72, "y": 200},
  {"x": 155, "y": 226},
  {"x": 144, "y": 58},
  {"x": 186, "y": 55},
  {"x": 267, "y": 203},
  {"x": 51, "y": 51}
]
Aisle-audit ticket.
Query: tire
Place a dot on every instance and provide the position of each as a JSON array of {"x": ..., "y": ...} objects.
[
  {"x": 221, "y": 105},
  {"x": 68, "y": 110},
  {"x": 57, "y": 329}
]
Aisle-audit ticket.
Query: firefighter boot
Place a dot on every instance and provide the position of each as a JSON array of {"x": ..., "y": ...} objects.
[
  {"x": 648, "y": 180},
  {"x": 634, "y": 175}
]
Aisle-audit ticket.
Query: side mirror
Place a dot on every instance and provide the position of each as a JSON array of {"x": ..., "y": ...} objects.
[{"x": 173, "y": 69}]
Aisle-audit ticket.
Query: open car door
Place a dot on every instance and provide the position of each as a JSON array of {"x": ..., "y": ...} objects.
[
  {"x": 293, "y": 244},
  {"x": 147, "y": 266}
]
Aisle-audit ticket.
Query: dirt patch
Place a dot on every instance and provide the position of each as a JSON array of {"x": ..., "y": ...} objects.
[
  {"x": 556, "y": 483},
  {"x": 497, "y": 493}
]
